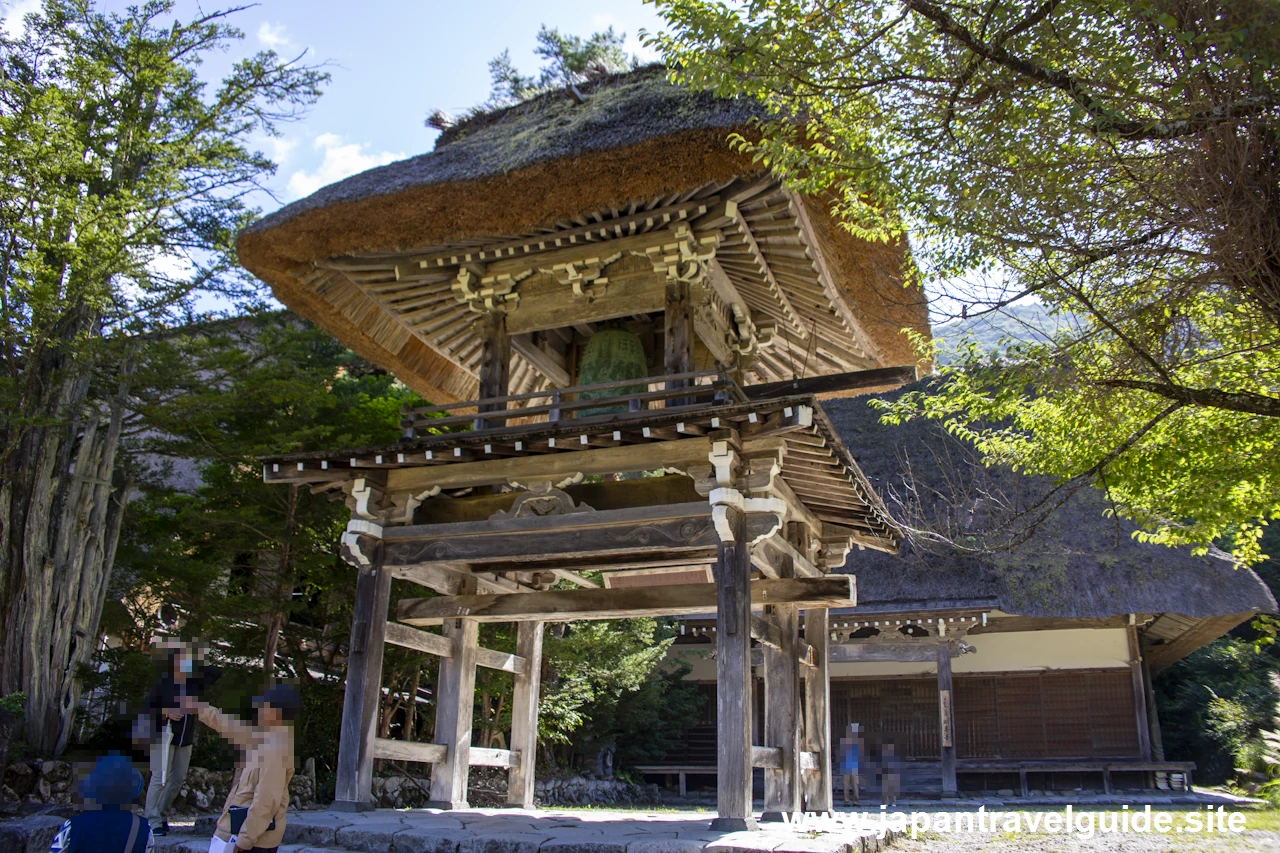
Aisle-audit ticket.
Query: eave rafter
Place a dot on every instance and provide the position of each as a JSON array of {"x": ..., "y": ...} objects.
[{"x": 767, "y": 273}]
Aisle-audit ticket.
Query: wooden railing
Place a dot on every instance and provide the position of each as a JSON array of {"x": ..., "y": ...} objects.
[{"x": 558, "y": 404}]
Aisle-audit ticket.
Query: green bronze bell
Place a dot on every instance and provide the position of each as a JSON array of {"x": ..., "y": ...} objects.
[{"x": 611, "y": 356}]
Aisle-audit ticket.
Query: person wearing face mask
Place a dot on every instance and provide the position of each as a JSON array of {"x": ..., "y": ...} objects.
[{"x": 171, "y": 731}]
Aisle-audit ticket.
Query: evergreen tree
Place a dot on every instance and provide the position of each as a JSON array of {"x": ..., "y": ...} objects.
[{"x": 119, "y": 165}]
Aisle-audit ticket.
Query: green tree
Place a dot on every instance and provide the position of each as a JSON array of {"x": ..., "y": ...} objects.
[
  {"x": 250, "y": 568},
  {"x": 604, "y": 688},
  {"x": 235, "y": 558},
  {"x": 1116, "y": 160},
  {"x": 567, "y": 61},
  {"x": 124, "y": 178}
]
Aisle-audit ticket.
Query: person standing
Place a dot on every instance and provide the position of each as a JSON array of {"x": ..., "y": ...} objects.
[
  {"x": 253, "y": 818},
  {"x": 890, "y": 781},
  {"x": 106, "y": 825},
  {"x": 849, "y": 754},
  {"x": 172, "y": 732}
]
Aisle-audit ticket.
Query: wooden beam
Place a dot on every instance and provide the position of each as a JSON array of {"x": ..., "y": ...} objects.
[
  {"x": 419, "y": 641},
  {"x": 851, "y": 381},
  {"x": 769, "y": 757},
  {"x": 354, "y": 789},
  {"x": 450, "y": 580},
  {"x": 641, "y": 293},
  {"x": 783, "y": 552},
  {"x": 766, "y": 632},
  {"x": 407, "y": 750},
  {"x": 552, "y": 466},
  {"x": 733, "y": 680},
  {"x": 541, "y": 361},
  {"x": 524, "y": 714},
  {"x": 673, "y": 528},
  {"x": 888, "y": 652},
  {"x": 572, "y": 605},
  {"x": 455, "y": 700},
  {"x": 435, "y": 644},
  {"x": 817, "y": 712},
  {"x": 575, "y": 578},
  {"x": 482, "y": 757}
]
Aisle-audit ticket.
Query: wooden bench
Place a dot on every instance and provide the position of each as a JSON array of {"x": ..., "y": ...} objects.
[{"x": 1106, "y": 768}]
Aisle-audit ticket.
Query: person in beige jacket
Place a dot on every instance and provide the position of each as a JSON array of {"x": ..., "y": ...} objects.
[{"x": 254, "y": 814}]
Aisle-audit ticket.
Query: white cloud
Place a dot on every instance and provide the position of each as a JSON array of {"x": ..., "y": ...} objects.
[
  {"x": 14, "y": 12},
  {"x": 341, "y": 159},
  {"x": 273, "y": 36},
  {"x": 281, "y": 149}
]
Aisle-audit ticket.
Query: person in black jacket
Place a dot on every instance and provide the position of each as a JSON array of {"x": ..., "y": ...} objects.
[{"x": 172, "y": 732}]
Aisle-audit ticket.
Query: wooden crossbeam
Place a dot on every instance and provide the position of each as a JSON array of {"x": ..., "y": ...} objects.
[
  {"x": 540, "y": 360},
  {"x": 482, "y": 757},
  {"x": 890, "y": 652},
  {"x": 766, "y": 631},
  {"x": 407, "y": 750},
  {"x": 434, "y": 644},
  {"x": 575, "y": 578},
  {"x": 770, "y": 757},
  {"x": 567, "y": 606},
  {"x": 850, "y": 381},
  {"x": 604, "y": 460},
  {"x": 434, "y": 753},
  {"x": 684, "y": 528}
]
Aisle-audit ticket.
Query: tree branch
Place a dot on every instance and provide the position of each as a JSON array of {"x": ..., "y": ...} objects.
[{"x": 1209, "y": 398}]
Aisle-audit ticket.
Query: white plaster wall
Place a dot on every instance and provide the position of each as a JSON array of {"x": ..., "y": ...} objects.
[{"x": 1030, "y": 651}]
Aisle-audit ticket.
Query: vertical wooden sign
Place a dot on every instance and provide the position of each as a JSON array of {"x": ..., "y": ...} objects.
[{"x": 944, "y": 712}]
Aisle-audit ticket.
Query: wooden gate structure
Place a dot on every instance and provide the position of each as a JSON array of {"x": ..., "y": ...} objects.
[{"x": 716, "y": 484}]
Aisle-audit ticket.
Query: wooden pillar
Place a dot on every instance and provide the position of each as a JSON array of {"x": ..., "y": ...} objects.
[
  {"x": 733, "y": 682},
  {"x": 1153, "y": 715},
  {"x": 524, "y": 714},
  {"x": 353, "y": 791},
  {"x": 455, "y": 702},
  {"x": 678, "y": 340},
  {"x": 495, "y": 363},
  {"x": 1141, "y": 721},
  {"x": 946, "y": 721},
  {"x": 781, "y": 716},
  {"x": 817, "y": 711}
]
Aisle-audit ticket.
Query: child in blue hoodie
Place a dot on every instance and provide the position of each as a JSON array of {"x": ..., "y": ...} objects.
[{"x": 107, "y": 825}]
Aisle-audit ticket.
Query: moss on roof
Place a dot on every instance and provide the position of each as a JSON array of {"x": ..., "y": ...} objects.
[{"x": 619, "y": 111}]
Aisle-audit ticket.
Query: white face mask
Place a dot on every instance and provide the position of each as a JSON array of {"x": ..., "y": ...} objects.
[{"x": 186, "y": 665}]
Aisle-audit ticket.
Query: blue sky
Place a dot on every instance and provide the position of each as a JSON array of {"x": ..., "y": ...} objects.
[{"x": 393, "y": 62}]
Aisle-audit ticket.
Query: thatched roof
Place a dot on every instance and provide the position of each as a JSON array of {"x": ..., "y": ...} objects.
[
  {"x": 637, "y": 140},
  {"x": 1079, "y": 563}
]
